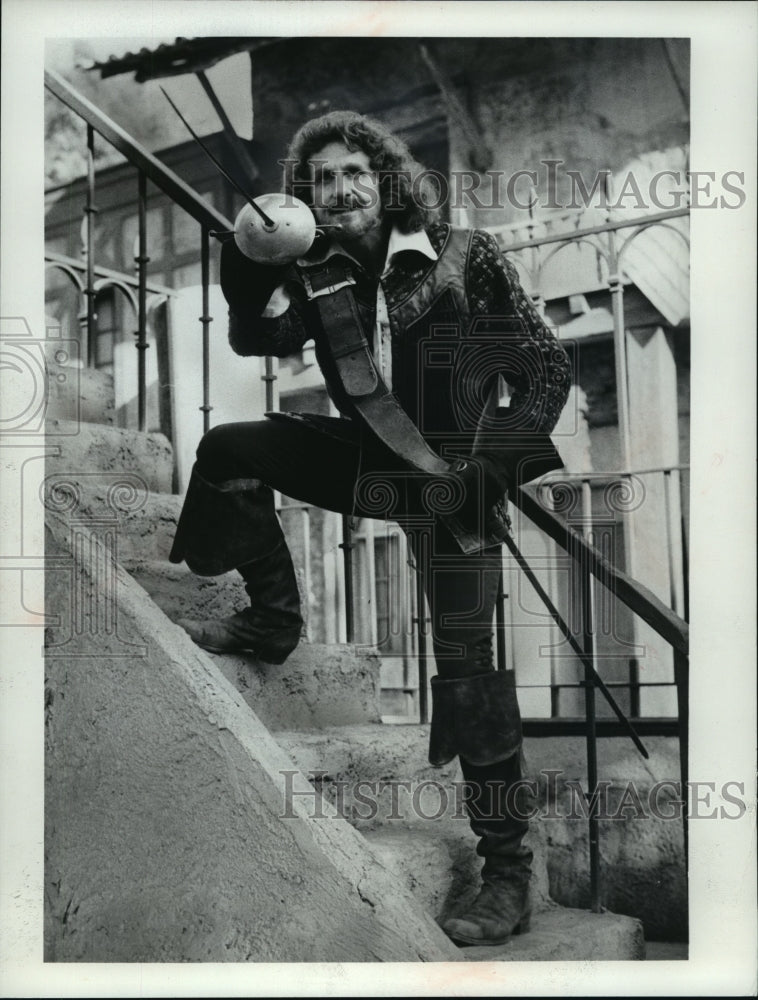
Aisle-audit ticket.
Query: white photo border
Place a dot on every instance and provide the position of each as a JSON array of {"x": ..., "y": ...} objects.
[{"x": 723, "y": 722}]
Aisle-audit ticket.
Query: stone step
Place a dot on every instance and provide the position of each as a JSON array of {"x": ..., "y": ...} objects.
[
  {"x": 166, "y": 840},
  {"x": 641, "y": 870},
  {"x": 440, "y": 866},
  {"x": 83, "y": 395},
  {"x": 441, "y": 870},
  {"x": 561, "y": 934},
  {"x": 435, "y": 855},
  {"x": 144, "y": 523},
  {"x": 87, "y": 449},
  {"x": 179, "y": 593},
  {"x": 385, "y": 757},
  {"x": 317, "y": 687}
]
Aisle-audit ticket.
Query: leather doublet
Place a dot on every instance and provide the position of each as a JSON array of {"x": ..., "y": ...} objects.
[{"x": 455, "y": 323}]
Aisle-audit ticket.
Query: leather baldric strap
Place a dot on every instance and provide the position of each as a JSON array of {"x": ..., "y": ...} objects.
[{"x": 330, "y": 287}]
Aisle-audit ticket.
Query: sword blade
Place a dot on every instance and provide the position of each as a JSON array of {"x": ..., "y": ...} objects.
[
  {"x": 216, "y": 163},
  {"x": 586, "y": 661}
]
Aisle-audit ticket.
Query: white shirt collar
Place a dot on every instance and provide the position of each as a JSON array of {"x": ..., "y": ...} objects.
[
  {"x": 398, "y": 242},
  {"x": 419, "y": 242}
]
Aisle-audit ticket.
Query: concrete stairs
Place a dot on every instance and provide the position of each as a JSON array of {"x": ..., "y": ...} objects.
[
  {"x": 379, "y": 779},
  {"x": 323, "y": 708},
  {"x": 91, "y": 401}
]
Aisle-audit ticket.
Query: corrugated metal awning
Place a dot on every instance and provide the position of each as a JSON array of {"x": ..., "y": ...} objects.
[{"x": 185, "y": 55}]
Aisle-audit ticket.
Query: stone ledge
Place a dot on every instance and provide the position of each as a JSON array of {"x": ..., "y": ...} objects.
[
  {"x": 92, "y": 400},
  {"x": 567, "y": 935},
  {"x": 440, "y": 865},
  {"x": 376, "y": 753},
  {"x": 317, "y": 686},
  {"x": 86, "y": 449},
  {"x": 179, "y": 593},
  {"x": 642, "y": 870},
  {"x": 165, "y": 840}
]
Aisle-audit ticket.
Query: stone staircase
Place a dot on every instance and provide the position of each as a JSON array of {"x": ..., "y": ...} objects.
[{"x": 323, "y": 708}]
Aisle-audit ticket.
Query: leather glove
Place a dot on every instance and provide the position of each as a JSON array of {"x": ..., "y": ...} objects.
[
  {"x": 247, "y": 285},
  {"x": 484, "y": 484}
]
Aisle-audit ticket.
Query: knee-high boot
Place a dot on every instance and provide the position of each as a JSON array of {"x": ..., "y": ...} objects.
[
  {"x": 233, "y": 525},
  {"x": 477, "y": 717},
  {"x": 498, "y": 811}
]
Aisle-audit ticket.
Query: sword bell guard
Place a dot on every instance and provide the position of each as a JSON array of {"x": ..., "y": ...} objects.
[{"x": 289, "y": 234}]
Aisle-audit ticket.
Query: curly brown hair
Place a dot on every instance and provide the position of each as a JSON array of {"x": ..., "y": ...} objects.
[{"x": 404, "y": 184}]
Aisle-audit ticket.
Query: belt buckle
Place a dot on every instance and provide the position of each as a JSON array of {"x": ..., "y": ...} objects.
[{"x": 328, "y": 290}]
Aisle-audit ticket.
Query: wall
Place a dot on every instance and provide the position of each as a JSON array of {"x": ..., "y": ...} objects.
[
  {"x": 642, "y": 868},
  {"x": 164, "y": 797}
]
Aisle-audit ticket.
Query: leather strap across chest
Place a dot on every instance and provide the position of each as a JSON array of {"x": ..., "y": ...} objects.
[{"x": 330, "y": 286}]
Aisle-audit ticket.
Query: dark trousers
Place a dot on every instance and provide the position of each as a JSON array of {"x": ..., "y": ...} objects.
[{"x": 334, "y": 464}]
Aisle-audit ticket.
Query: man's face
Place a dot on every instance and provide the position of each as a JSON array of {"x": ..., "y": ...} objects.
[{"x": 346, "y": 191}]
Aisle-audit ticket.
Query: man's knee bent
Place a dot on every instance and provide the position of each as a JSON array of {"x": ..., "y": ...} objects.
[{"x": 228, "y": 451}]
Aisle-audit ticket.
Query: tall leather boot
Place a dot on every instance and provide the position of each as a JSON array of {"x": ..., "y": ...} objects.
[
  {"x": 497, "y": 805},
  {"x": 477, "y": 717},
  {"x": 233, "y": 525}
]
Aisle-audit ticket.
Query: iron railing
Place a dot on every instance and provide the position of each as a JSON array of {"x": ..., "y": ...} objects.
[
  {"x": 672, "y": 545},
  {"x": 591, "y": 567},
  {"x": 148, "y": 168}
]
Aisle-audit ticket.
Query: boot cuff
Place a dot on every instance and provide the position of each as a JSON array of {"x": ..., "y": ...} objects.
[
  {"x": 222, "y": 525},
  {"x": 476, "y": 718}
]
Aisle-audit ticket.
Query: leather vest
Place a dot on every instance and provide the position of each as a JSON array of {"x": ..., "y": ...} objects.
[
  {"x": 427, "y": 327},
  {"x": 434, "y": 371}
]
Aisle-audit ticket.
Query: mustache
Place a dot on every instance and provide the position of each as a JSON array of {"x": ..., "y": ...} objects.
[{"x": 348, "y": 204}]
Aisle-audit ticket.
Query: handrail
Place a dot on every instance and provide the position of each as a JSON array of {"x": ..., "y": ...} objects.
[
  {"x": 570, "y": 235},
  {"x": 158, "y": 173},
  {"x": 563, "y": 475},
  {"x": 634, "y": 595}
]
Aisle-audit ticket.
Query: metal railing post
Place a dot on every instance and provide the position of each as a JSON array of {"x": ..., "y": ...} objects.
[
  {"x": 269, "y": 378},
  {"x": 616, "y": 289},
  {"x": 141, "y": 260},
  {"x": 90, "y": 211},
  {"x": 681, "y": 676},
  {"x": 347, "y": 547},
  {"x": 206, "y": 319},
  {"x": 587, "y": 598},
  {"x": 591, "y": 744},
  {"x": 421, "y": 646},
  {"x": 500, "y": 655},
  {"x": 370, "y": 596}
]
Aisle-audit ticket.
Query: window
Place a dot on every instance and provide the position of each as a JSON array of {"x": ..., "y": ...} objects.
[{"x": 105, "y": 330}]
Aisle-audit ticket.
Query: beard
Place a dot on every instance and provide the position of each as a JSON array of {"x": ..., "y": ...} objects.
[
  {"x": 354, "y": 224},
  {"x": 357, "y": 224}
]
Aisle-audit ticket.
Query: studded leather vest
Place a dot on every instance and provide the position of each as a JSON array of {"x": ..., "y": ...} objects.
[{"x": 434, "y": 372}]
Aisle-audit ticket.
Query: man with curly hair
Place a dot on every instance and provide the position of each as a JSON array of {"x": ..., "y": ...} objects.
[{"x": 415, "y": 324}]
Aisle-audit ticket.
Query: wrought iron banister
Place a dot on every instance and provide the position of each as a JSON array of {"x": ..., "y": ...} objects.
[
  {"x": 630, "y": 592},
  {"x": 181, "y": 194},
  {"x": 604, "y": 227},
  {"x": 157, "y": 172},
  {"x": 589, "y": 563}
]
